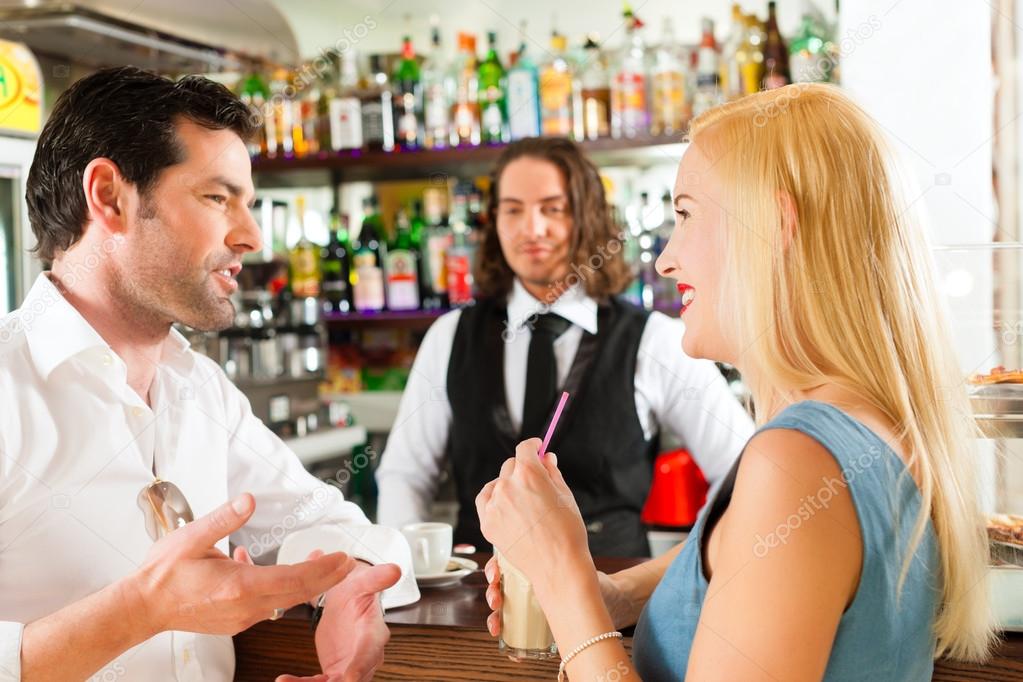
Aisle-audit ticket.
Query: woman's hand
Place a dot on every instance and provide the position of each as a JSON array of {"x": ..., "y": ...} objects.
[
  {"x": 623, "y": 607},
  {"x": 530, "y": 516}
]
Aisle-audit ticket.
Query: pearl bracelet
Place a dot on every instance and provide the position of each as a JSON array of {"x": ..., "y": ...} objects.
[{"x": 575, "y": 652}]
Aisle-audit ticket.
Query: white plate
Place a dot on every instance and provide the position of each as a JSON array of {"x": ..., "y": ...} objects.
[{"x": 458, "y": 568}]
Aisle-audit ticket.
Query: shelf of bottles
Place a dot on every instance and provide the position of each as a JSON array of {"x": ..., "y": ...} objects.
[
  {"x": 423, "y": 269},
  {"x": 360, "y": 120},
  {"x": 445, "y": 119},
  {"x": 407, "y": 276}
]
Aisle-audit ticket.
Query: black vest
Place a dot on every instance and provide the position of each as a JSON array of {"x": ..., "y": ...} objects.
[{"x": 602, "y": 452}]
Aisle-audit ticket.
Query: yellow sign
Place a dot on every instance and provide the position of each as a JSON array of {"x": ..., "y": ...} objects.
[{"x": 21, "y": 92}]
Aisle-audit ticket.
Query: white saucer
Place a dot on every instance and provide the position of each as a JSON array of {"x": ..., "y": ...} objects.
[{"x": 458, "y": 568}]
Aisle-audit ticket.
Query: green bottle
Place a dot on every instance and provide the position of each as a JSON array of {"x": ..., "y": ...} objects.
[
  {"x": 366, "y": 273},
  {"x": 255, "y": 94},
  {"x": 493, "y": 112},
  {"x": 809, "y": 60},
  {"x": 417, "y": 232},
  {"x": 401, "y": 270},
  {"x": 418, "y": 224},
  {"x": 408, "y": 99},
  {"x": 335, "y": 264}
]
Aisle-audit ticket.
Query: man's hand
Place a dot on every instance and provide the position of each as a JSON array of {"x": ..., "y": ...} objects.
[
  {"x": 351, "y": 636},
  {"x": 187, "y": 584}
]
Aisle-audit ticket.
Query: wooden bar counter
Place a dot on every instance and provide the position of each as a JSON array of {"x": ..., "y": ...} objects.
[{"x": 444, "y": 637}]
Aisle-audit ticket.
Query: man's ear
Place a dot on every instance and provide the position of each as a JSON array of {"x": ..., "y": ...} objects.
[
  {"x": 789, "y": 218},
  {"x": 106, "y": 197}
]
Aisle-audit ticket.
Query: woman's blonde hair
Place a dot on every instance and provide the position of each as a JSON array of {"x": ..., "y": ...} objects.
[{"x": 848, "y": 297}]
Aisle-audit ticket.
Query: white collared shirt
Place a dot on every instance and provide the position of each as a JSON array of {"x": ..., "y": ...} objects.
[
  {"x": 688, "y": 397},
  {"x": 77, "y": 445}
]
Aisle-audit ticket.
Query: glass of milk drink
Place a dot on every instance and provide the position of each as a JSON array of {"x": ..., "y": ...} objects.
[{"x": 524, "y": 630}]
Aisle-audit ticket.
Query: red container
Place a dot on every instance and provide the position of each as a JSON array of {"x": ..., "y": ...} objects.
[{"x": 678, "y": 492}]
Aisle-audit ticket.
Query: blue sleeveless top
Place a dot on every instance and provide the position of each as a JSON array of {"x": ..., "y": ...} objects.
[{"x": 883, "y": 635}]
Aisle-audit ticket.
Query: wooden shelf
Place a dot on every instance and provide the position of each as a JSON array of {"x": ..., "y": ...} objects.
[
  {"x": 248, "y": 383},
  {"x": 359, "y": 165},
  {"x": 407, "y": 319}
]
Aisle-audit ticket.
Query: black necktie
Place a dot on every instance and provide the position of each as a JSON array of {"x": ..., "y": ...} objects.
[{"x": 541, "y": 374}]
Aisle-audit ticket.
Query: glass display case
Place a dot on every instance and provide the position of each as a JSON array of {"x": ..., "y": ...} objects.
[{"x": 983, "y": 289}]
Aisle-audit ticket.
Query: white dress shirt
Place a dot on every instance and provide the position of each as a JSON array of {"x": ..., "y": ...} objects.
[
  {"x": 688, "y": 397},
  {"x": 77, "y": 445}
]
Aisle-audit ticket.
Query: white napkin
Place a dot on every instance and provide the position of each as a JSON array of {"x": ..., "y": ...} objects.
[{"x": 373, "y": 544}]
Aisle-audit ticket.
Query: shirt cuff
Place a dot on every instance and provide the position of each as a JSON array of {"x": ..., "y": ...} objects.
[
  {"x": 10, "y": 651},
  {"x": 372, "y": 544}
]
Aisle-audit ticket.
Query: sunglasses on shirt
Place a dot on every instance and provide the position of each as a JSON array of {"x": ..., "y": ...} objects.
[{"x": 164, "y": 507}]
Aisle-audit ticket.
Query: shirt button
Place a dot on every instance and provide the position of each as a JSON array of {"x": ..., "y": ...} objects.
[
  {"x": 136, "y": 411},
  {"x": 187, "y": 656},
  {"x": 108, "y": 359}
]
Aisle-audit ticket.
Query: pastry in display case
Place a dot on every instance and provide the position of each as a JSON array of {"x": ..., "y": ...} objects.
[{"x": 1005, "y": 532}]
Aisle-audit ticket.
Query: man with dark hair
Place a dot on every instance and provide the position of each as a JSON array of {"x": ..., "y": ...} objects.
[
  {"x": 115, "y": 435},
  {"x": 488, "y": 376}
]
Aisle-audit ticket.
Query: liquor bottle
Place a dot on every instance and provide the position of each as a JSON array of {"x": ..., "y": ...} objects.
[
  {"x": 255, "y": 93},
  {"x": 464, "y": 93},
  {"x": 336, "y": 287},
  {"x": 595, "y": 94},
  {"x": 400, "y": 268},
  {"x": 731, "y": 78},
  {"x": 670, "y": 109},
  {"x": 408, "y": 99},
  {"x": 304, "y": 259},
  {"x": 776, "y": 55},
  {"x": 491, "y": 83},
  {"x": 437, "y": 239},
  {"x": 377, "y": 106},
  {"x": 328, "y": 93},
  {"x": 629, "y": 230},
  {"x": 556, "y": 114},
  {"x": 630, "y": 115},
  {"x": 346, "y": 115},
  {"x": 665, "y": 292},
  {"x": 417, "y": 235},
  {"x": 649, "y": 221},
  {"x": 367, "y": 275},
  {"x": 307, "y": 137},
  {"x": 435, "y": 96},
  {"x": 708, "y": 92},
  {"x": 298, "y": 111},
  {"x": 417, "y": 224},
  {"x": 751, "y": 56},
  {"x": 458, "y": 262},
  {"x": 523, "y": 96},
  {"x": 475, "y": 213},
  {"x": 808, "y": 53},
  {"x": 278, "y": 119}
]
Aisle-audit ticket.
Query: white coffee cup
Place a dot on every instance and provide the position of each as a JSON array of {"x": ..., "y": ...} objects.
[{"x": 431, "y": 546}]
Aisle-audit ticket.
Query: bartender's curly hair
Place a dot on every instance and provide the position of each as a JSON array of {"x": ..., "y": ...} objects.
[
  {"x": 129, "y": 116},
  {"x": 596, "y": 247}
]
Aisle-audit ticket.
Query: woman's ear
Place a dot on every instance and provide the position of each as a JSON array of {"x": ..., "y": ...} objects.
[{"x": 789, "y": 218}]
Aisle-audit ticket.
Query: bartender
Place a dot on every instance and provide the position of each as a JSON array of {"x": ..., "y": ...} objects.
[{"x": 549, "y": 319}]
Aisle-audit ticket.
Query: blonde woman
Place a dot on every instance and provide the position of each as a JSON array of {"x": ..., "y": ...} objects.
[{"x": 847, "y": 543}]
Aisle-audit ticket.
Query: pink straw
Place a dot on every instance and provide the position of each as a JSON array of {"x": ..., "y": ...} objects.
[{"x": 554, "y": 422}]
